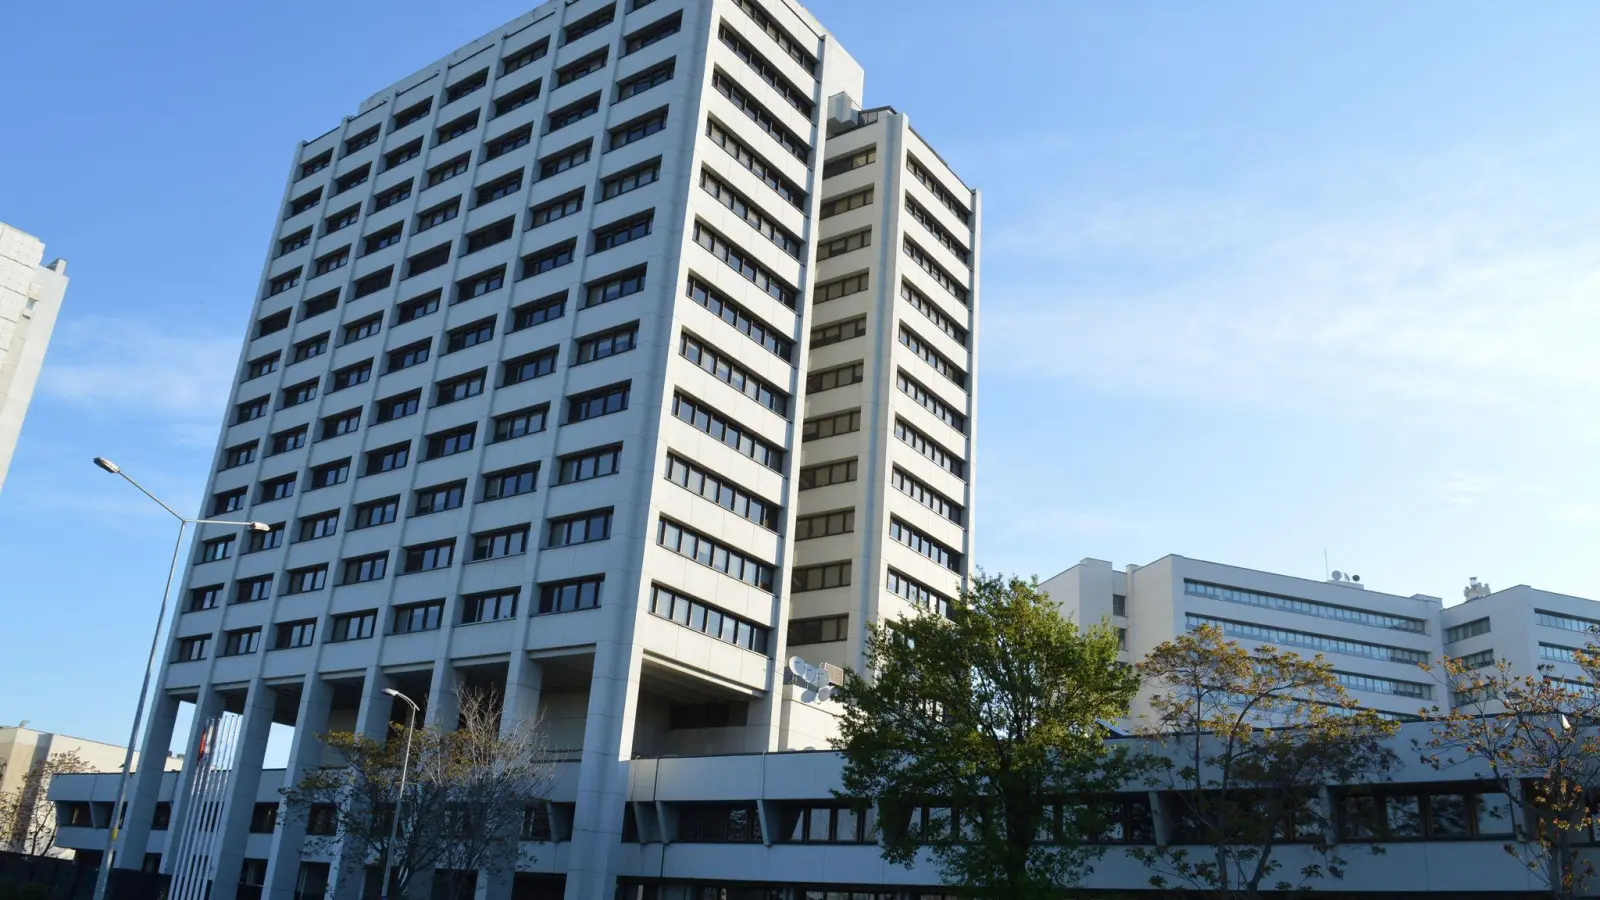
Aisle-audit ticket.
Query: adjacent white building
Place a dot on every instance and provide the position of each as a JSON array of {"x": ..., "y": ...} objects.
[
  {"x": 609, "y": 362},
  {"x": 1524, "y": 626},
  {"x": 30, "y": 300}
]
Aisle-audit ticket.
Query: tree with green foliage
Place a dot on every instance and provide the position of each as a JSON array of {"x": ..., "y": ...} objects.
[
  {"x": 1537, "y": 739},
  {"x": 1245, "y": 740},
  {"x": 979, "y": 737}
]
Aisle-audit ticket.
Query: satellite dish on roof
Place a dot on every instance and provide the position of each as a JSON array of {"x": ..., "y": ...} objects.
[{"x": 1338, "y": 575}]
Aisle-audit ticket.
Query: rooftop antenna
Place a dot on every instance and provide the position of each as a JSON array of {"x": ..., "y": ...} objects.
[{"x": 1324, "y": 563}]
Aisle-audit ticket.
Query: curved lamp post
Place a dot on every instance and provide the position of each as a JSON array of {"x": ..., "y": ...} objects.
[
  {"x": 118, "y": 812},
  {"x": 405, "y": 766}
]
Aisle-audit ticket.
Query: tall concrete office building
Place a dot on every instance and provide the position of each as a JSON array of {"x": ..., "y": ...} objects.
[
  {"x": 610, "y": 362},
  {"x": 30, "y": 300}
]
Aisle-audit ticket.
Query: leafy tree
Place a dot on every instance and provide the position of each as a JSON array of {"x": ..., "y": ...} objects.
[
  {"x": 1537, "y": 737},
  {"x": 467, "y": 794},
  {"x": 989, "y": 723},
  {"x": 27, "y": 817},
  {"x": 1245, "y": 740}
]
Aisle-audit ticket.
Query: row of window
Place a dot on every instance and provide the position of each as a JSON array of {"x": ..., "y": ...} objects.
[
  {"x": 1304, "y": 607},
  {"x": 930, "y": 401},
  {"x": 697, "y": 615},
  {"x": 1287, "y": 638},
  {"x": 410, "y": 618},
  {"x": 933, "y": 357},
  {"x": 923, "y": 544}
]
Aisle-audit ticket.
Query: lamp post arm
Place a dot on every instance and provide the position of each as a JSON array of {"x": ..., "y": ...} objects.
[{"x": 175, "y": 513}]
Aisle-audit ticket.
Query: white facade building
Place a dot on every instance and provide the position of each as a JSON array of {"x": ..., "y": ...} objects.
[
  {"x": 1522, "y": 625},
  {"x": 608, "y": 362},
  {"x": 30, "y": 301},
  {"x": 1374, "y": 640}
]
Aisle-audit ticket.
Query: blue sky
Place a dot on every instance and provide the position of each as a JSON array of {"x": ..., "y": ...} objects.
[{"x": 1260, "y": 280}]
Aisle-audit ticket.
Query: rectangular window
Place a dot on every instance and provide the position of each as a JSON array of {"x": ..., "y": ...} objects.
[
  {"x": 1565, "y": 622},
  {"x": 757, "y": 165},
  {"x": 588, "y": 24},
  {"x": 691, "y": 544},
  {"x": 455, "y": 128},
  {"x": 416, "y": 308},
  {"x": 294, "y": 241},
  {"x": 504, "y": 186},
  {"x": 584, "y": 65},
  {"x": 833, "y": 206},
  {"x": 572, "y": 113},
  {"x": 387, "y": 459},
  {"x": 485, "y": 282},
  {"x": 241, "y": 641},
  {"x": 365, "y": 139},
  {"x": 944, "y": 279},
  {"x": 272, "y": 324},
  {"x": 517, "y": 99},
  {"x": 719, "y": 490},
  {"x": 316, "y": 164},
  {"x": 330, "y": 474},
  {"x": 409, "y": 355},
  {"x": 309, "y": 348},
  {"x": 399, "y": 406},
  {"x": 526, "y": 55},
  {"x": 517, "y": 423},
  {"x": 320, "y": 525},
  {"x": 1307, "y": 607},
  {"x": 340, "y": 423},
  {"x": 528, "y": 366},
  {"x": 825, "y": 474},
  {"x": 305, "y": 580},
  {"x": 820, "y": 577},
  {"x": 636, "y": 129},
  {"x": 1470, "y": 629},
  {"x": 930, "y": 401},
  {"x": 929, "y": 448},
  {"x": 548, "y": 259},
  {"x": 322, "y": 303},
  {"x": 769, "y": 73},
  {"x": 582, "y": 528},
  {"x": 192, "y": 649},
  {"x": 698, "y": 615},
  {"x": 740, "y": 318},
  {"x": 428, "y": 260},
  {"x": 614, "y": 287},
  {"x": 928, "y": 308},
  {"x": 923, "y": 544},
  {"x": 415, "y": 617},
  {"x": 239, "y": 455},
  {"x": 601, "y": 402},
  {"x": 906, "y": 484},
  {"x": 390, "y": 197},
  {"x": 510, "y": 482},
  {"x": 742, "y": 207},
  {"x": 203, "y": 598},
  {"x": 362, "y": 328},
  {"x": 250, "y": 590},
  {"x": 554, "y": 210},
  {"x": 276, "y": 488},
  {"x": 568, "y": 596},
  {"x": 304, "y": 202},
  {"x": 227, "y": 501},
  {"x": 707, "y": 419},
  {"x": 365, "y": 568},
  {"x": 217, "y": 549},
  {"x": 537, "y": 312},
  {"x": 938, "y": 231},
  {"x": 839, "y": 246},
  {"x": 741, "y": 262},
  {"x": 402, "y": 154},
  {"x": 350, "y": 376},
  {"x": 779, "y": 36},
  {"x": 371, "y": 284},
  {"x": 918, "y": 593},
  {"x": 354, "y": 178},
  {"x": 656, "y": 75},
  {"x": 376, "y": 512},
  {"x": 501, "y": 543},
  {"x": 838, "y": 332},
  {"x": 759, "y": 114},
  {"x": 562, "y": 160},
  {"x": 820, "y": 525},
  {"x": 469, "y": 335},
  {"x": 438, "y": 498},
  {"x": 451, "y": 442},
  {"x": 466, "y": 86},
  {"x": 845, "y": 422},
  {"x": 653, "y": 33},
  {"x": 836, "y": 377},
  {"x": 1284, "y": 637},
  {"x": 290, "y": 439},
  {"x": 427, "y": 557},
  {"x": 511, "y": 140},
  {"x": 447, "y": 170},
  {"x": 823, "y": 630},
  {"x": 622, "y": 232},
  {"x": 921, "y": 173},
  {"x": 607, "y": 343},
  {"x": 341, "y": 220},
  {"x": 250, "y": 410},
  {"x": 730, "y": 373},
  {"x": 439, "y": 214},
  {"x": 596, "y": 463},
  {"x": 289, "y": 635},
  {"x": 491, "y": 606},
  {"x": 851, "y": 161},
  {"x": 630, "y": 179},
  {"x": 932, "y": 357},
  {"x": 354, "y": 626},
  {"x": 271, "y": 539}
]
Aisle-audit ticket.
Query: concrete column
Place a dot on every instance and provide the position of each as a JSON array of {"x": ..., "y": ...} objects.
[
  {"x": 603, "y": 773},
  {"x": 524, "y": 682},
  {"x": 443, "y": 710},
  {"x": 206, "y": 705},
  {"x": 305, "y": 754},
  {"x": 347, "y": 873},
  {"x": 243, "y": 784},
  {"x": 145, "y": 791}
]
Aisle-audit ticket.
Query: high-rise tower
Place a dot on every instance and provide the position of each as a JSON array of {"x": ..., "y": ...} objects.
[
  {"x": 30, "y": 301},
  {"x": 611, "y": 362}
]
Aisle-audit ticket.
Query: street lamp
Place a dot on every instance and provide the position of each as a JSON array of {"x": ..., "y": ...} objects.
[
  {"x": 405, "y": 766},
  {"x": 118, "y": 812}
]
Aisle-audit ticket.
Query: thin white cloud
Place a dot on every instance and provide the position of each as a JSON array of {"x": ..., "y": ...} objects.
[{"x": 124, "y": 365}]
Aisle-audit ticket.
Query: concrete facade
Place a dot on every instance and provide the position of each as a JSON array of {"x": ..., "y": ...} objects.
[
  {"x": 609, "y": 362},
  {"x": 23, "y": 748},
  {"x": 30, "y": 301},
  {"x": 1444, "y": 834}
]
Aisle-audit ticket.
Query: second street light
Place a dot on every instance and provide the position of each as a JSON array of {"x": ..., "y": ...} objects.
[
  {"x": 119, "y": 811},
  {"x": 405, "y": 766}
]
